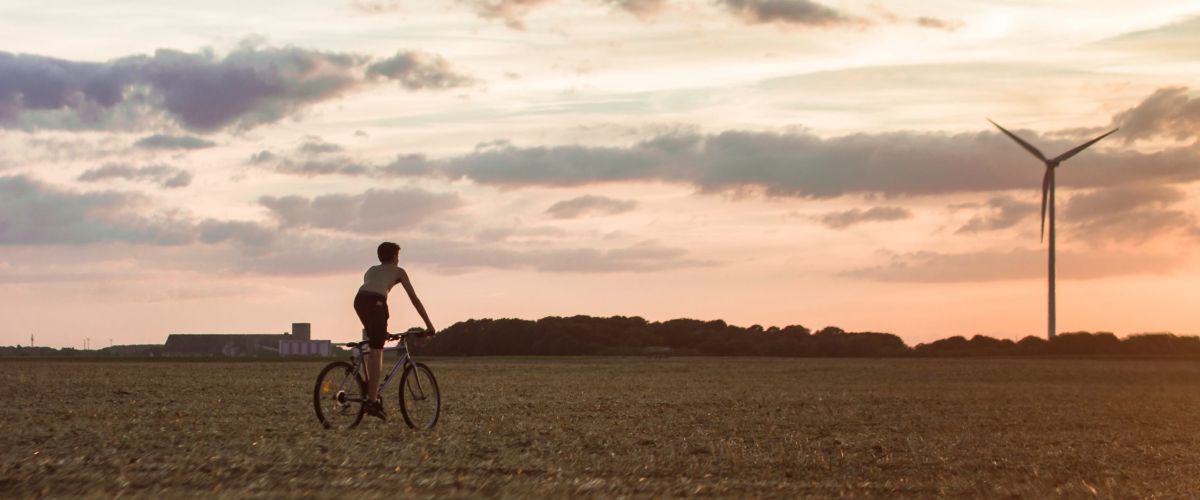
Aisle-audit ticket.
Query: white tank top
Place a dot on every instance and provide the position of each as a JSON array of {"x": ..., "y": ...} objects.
[{"x": 380, "y": 279}]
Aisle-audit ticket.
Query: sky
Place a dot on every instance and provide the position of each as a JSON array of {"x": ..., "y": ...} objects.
[{"x": 230, "y": 167}]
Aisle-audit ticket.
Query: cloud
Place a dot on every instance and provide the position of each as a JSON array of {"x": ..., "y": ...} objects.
[
  {"x": 314, "y": 145},
  {"x": 783, "y": 12},
  {"x": 419, "y": 71},
  {"x": 1003, "y": 212},
  {"x": 375, "y": 210},
  {"x": 1177, "y": 40},
  {"x": 847, "y": 218},
  {"x": 938, "y": 23},
  {"x": 791, "y": 12},
  {"x": 589, "y": 205},
  {"x": 314, "y": 254},
  {"x": 314, "y": 156},
  {"x": 375, "y": 6},
  {"x": 985, "y": 266},
  {"x": 800, "y": 164},
  {"x": 246, "y": 233},
  {"x": 56, "y": 149},
  {"x": 1127, "y": 214},
  {"x": 647, "y": 256},
  {"x": 1169, "y": 112},
  {"x": 33, "y": 213},
  {"x": 172, "y": 142},
  {"x": 513, "y": 12},
  {"x": 644, "y": 9},
  {"x": 201, "y": 91},
  {"x": 164, "y": 175},
  {"x": 642, "y": 257}
]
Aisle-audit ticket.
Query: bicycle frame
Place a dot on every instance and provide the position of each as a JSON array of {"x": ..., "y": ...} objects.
[{"x": 356, "y": 359}]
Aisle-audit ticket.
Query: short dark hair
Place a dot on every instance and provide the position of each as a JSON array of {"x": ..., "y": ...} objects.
[{"x": 387, "y": 251}]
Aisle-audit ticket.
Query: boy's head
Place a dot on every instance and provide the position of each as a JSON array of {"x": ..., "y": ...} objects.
[{"x": 388, "y": 252}]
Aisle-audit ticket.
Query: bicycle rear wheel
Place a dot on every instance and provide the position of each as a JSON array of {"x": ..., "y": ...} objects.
[
  {"x": 338, "y": 396},
  {"x": 420, "y": 400}
]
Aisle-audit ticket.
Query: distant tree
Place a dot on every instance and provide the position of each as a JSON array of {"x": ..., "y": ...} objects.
[
  {"x": 795, "y": 330},
  {"x": 1084, "y": 343},
  {"x": 1031, "y": 346}
]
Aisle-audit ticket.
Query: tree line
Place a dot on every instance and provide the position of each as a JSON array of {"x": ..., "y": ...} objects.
[{"x": 620, "y": 335}]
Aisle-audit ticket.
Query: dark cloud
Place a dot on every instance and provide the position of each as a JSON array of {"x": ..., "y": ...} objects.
[
  {"x": 419, "y": 71},
  {"x": 33, "y": 213},
  {"x": 172, "y": 142},
  {"x": 984, "y": 266},
  {"x": 796, "y": 163},
  {"x": 321, "y": 166},
  {"x": 201, "y": 91},
  {"x": 589, "y": 205},
  {"x": 372, "y": 211},
  {"x": 1001, "y": 212},
  {"x": 793, "y": 12},
  {"x": 1168, "y": 112},
  {"x": 800, "y": 164},
  {"x": 847, "y": 218},
  {"x": 164, "y": 175}
]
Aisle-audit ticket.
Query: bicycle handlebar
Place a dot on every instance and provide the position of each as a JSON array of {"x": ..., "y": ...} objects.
[{"x": 412, "y": 332}]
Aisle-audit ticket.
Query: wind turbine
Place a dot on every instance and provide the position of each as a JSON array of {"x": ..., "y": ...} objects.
[{"x": 1048, "y": 193}]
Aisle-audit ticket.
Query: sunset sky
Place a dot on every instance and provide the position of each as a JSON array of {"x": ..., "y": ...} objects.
[{"x": 229, "y": 167}]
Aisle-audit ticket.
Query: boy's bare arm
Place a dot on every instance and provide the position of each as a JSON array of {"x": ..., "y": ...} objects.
[{"x": 412, "y": 295}]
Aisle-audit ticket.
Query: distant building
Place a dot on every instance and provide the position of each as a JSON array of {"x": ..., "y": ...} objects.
[{"x": 297, "y": 343}]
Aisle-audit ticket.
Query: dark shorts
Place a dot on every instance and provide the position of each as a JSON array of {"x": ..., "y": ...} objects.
[{"x": 372, "y": 310}]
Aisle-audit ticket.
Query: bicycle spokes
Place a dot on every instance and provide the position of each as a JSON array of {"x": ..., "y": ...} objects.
[{"x": 338, "y": 395}]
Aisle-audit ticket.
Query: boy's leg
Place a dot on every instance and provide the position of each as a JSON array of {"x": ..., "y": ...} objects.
[{"x": 374, "y": 367}]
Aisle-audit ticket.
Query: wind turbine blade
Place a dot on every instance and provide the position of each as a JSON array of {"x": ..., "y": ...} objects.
[
  {"x": 1028, "y": 147},
  {"x": 1045, "y": 191},
  {"x": 1081, "y": 147}
]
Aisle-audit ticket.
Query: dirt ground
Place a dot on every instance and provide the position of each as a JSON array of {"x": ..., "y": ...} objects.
[{"x": 613, "y": 427}]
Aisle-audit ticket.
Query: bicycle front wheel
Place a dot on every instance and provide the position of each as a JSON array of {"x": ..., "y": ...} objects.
[
  {"x": 420, "y": 400},
  {"x": 338, "y": 396}
]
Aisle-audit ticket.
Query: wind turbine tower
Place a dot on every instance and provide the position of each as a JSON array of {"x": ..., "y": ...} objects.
[{"x": 1048, "y": 194}]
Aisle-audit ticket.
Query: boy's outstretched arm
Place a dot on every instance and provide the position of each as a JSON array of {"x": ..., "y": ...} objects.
[{"x": 412, "y": 295}]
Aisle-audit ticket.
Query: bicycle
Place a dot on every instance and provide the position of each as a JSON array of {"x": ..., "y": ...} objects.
[{"x": 341, "y": 387}]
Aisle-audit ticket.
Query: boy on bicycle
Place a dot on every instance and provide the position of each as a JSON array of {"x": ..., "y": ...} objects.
[{"x": 371, "y": 305}]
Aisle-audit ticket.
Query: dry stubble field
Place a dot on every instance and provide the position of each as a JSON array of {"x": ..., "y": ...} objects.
[{"x": 605, "y": 427}]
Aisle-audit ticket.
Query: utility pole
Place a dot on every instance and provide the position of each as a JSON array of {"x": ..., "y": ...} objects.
[{"x": 86, "y": 340}]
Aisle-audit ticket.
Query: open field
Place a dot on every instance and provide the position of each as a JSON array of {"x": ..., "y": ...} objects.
[{"x": 614, "y": 426}]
